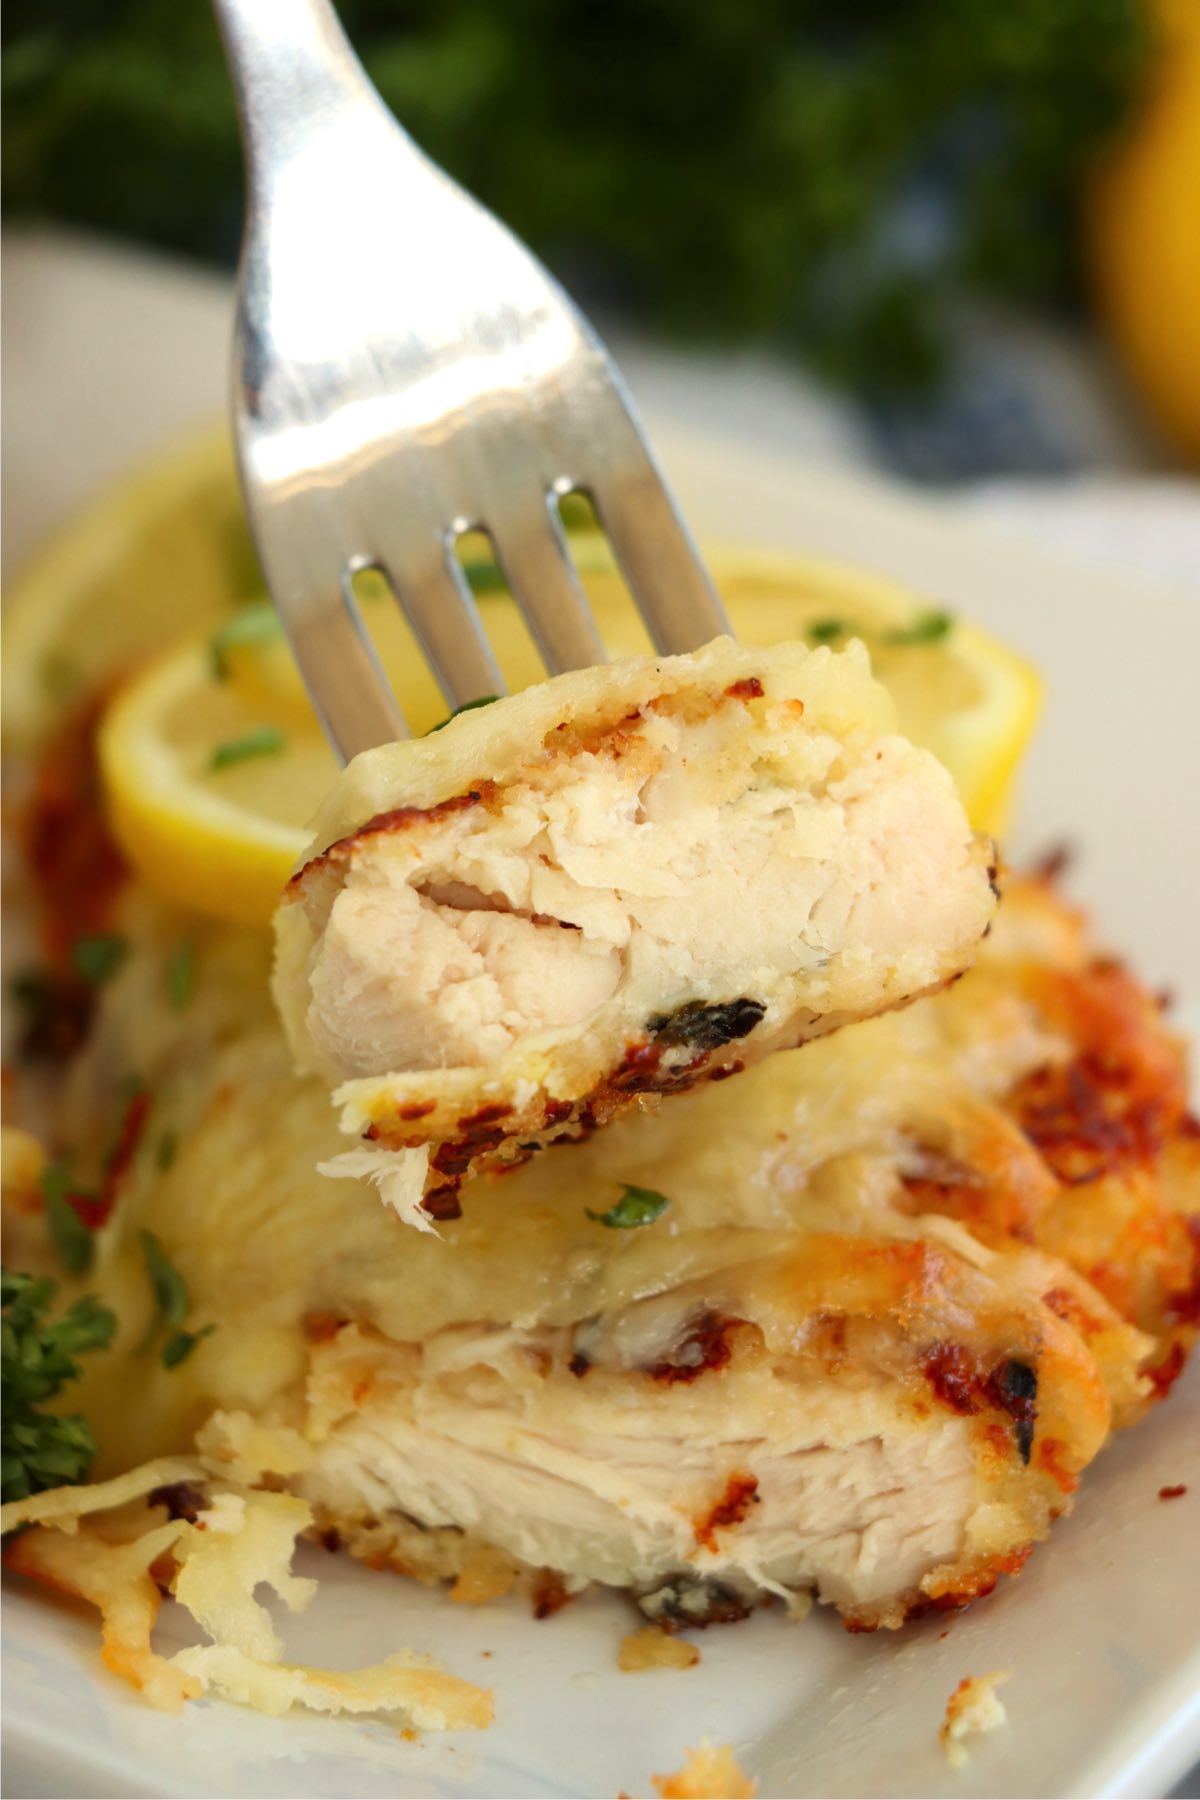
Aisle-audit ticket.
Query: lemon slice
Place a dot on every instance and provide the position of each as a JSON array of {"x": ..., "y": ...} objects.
[
  {"x": 213, "y": 760},
  {"x": 207, "y": 807}
]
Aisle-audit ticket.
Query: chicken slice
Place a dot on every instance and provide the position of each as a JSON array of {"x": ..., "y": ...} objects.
[
  {"x": 873, "y": 1419},
  {"x": 617, "y": 885},
  {"x": 902, "y": 1285}
]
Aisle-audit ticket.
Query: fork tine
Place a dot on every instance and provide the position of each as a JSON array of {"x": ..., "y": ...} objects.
[
  {"x": 350, "y": 693},
  {"x": 658, "y": 558},
  {"x": 437, "y": 601},
  {"x": 459, "y": 385},
  {"x": 532, "y": 551}
]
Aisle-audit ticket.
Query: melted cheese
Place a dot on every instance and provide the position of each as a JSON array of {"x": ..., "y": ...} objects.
[{"x": 264, "y": 1241}]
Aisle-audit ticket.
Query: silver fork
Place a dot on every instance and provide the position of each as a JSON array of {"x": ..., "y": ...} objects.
[{"x": 405, "y": 371}]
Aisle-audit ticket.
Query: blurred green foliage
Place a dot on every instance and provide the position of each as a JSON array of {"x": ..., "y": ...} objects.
[{"x": 824, "y": 172}]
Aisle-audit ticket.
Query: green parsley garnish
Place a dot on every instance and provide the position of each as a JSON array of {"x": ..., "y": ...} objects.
[
  {"x": 168, "y": 1147},
  {"x": 58, "y": 675},
  {"x": 265, "y": 740},
  {"x": 72, "y": 1239},
  {"x": 171, "y": 1295},
  {"x": 926, "y": 628},
  {"x": 637, "y": 1206},
  {"x": 172, "y": 1303},
  {"x": 253, "y": 625},
  {"x": 130, "y": 1086},
  {"x": 484, "y": 578},
  {"x": 181, "y": 975},
  {"x": 37, "y": 1449},
  {"x": 98, "y": 958},
  {"x": 467, "y": 706},
  {"x": 825, "y": 631},
  {"x": 128, "y": 1089},
  {"x": 180, "y": 1344}
]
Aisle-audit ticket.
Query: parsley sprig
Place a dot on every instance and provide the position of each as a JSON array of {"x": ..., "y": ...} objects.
[
  {"x": 38, "y": 1449},
  {"x": 637, "y": 1206},
  {"x": 467, "y": 706},
  {"x": 96, "y": 959},
  {"x": 181, "y": 975},
  {"x": 172, "y": 1303},
  {"x": 73, "y": 1240},
  {"x": 258, "y": 624},
  {"x": 929, "y": 627},
  {"x": 264, "y": 740}
]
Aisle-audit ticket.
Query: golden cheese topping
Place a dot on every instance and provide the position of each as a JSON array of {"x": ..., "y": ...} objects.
[{"x": 625, "y": 882}]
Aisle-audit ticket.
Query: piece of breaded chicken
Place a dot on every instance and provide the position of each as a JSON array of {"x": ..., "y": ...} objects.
[
  {"x": 865, "y": 1348},
  {"x": 616, "y": 885}
]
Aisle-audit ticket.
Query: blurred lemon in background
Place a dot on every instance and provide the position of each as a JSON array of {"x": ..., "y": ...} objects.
[{"x": 1144, "y": 232}]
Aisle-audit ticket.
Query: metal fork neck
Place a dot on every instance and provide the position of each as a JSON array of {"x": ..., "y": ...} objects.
[{"x": 294, "y": 70}]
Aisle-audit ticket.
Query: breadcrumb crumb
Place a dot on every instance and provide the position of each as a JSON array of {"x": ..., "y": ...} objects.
[
  {"x": 709, "y": 1772},
  {"x": 972, "y": 1709},
  {"x": 654, "y": 1649}
]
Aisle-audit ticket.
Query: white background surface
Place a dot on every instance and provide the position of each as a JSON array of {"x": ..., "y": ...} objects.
[{"x": 103, "y": 356}]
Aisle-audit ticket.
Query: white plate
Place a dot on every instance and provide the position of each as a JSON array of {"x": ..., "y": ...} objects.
[{"x": 1102, "y": 1631}]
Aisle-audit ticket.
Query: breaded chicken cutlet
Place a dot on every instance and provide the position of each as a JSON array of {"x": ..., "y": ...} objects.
[
  {"x": 901, "y": 1287},
  {"x": 613, "y": 887}
]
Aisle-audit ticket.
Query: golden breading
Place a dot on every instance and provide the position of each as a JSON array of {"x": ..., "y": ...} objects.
[
  {"x": 867, "y": 1348},
  {"x": 615, "y": 886}
]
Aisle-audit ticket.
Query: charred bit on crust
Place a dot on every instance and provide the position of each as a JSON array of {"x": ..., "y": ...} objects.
[
  {"x": 399, "y": 818},
  {"x": 961, "y": 1383},
  {"x": 690, "y": 1602},
  {"x": 182, "y": 1499},
  {"x": 706, "y": 1346},
  {"x": 550, "y": 1594},
  {"x": 698, "y": 1026}
]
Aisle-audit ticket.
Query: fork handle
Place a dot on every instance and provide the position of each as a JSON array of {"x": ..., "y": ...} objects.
[{"x": 294, "y": 71}]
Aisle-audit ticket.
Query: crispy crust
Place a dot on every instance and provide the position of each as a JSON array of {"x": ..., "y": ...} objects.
[
  {"x": 1083, "y": 1181},
  {"x": 653, "y": 1036},
  {"x": 1030, "y": 1298},
  {"x": 1104, "y": 1172}
]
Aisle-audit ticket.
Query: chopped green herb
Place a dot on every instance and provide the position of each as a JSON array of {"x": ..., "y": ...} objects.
[
  {"x": 98, "y": 958},
  {"x": 242, "y": 571},
  {"x": 130, "y": 1086},
  {"x": 926, "y": 628},
  {"x": 180, "y": 1344},
  {"x": 253, "y": 625},
  {"x": 265, "y": 740},
  {"x": 59, "y": 676},
  {"x": 577, "y": 513},
  {"x": 181, "y": 975},
  {"x": 370, "y": 586},
  {"x": 637, "y": 1206},
  {"x": 172, "y": 1303},
  {"x": 171, "y": 1298},
  {"x": 72, "y": 1239},
  {"x": 37, "y": 1449},
  {"x": 825, "y": 631},
  {"x": 168, "y": 1146},
  {"x": 467, "y": 706},
  {"x": 128, "y": 1089},
  {"x": 485, "y": 578}
]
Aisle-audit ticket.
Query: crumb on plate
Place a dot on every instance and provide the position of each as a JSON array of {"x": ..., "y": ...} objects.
[
  {"x": 972, "y": 1709},
  {"x": 709, "y": 1772},
  {"x": 653, "y": 1648}
]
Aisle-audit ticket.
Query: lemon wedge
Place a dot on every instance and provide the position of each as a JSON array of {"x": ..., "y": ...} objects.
[{"x": 213, "y": 761}]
